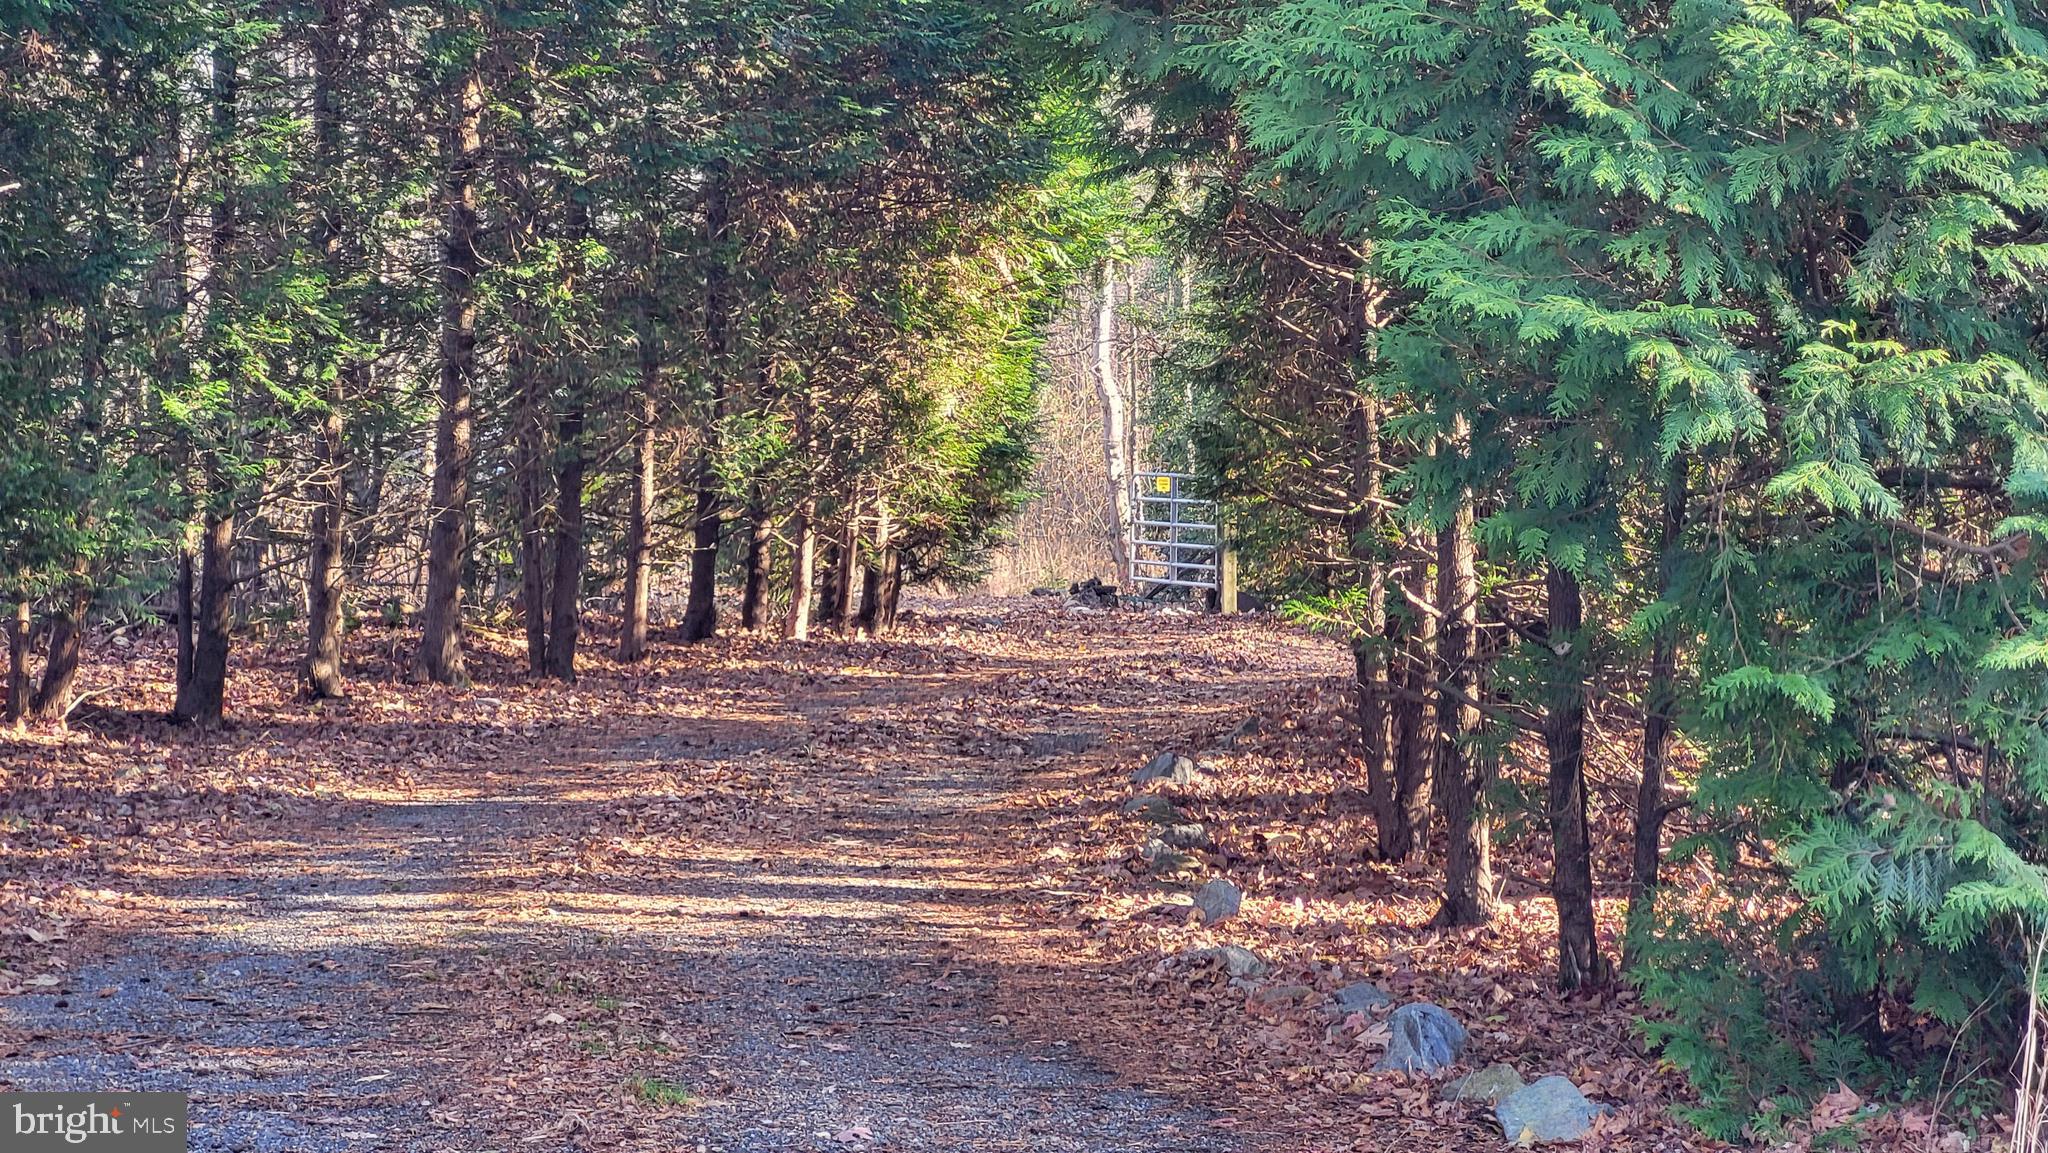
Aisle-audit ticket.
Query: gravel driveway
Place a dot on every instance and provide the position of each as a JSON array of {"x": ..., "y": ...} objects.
[{"x": 580, "y": 944}]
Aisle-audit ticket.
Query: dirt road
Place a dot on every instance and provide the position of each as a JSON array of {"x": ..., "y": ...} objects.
[{"x": 753, "y": 898}]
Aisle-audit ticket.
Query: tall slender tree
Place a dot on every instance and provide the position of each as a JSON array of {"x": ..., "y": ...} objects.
[{"x": 439, "y": 656}]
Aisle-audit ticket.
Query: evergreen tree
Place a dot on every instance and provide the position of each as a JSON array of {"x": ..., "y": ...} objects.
[{"x": 1749, "y": 291}]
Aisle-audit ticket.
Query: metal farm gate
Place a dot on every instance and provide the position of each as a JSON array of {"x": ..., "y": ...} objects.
[{"x": 1177, "y": 540}]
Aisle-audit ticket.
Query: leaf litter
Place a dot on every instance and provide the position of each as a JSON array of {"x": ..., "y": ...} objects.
[{"x": 875, "y": 894}]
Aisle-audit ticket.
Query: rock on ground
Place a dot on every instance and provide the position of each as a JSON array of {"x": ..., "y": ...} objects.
[
  {"x": 1424, "y": 1039},
  {"x": 1154, "y": 809},
  {"x": 1190, "y": 836},
  {"x": 1218, "y": 900},
  {"x": 1235, "y": 960},
  {"x": 1357, "y": 997},
  {"x": 1489, "y": 1084},
  {"x": 1173, "y": 768},
  {"x": 1548, "y": 1112},
  {"x": 1165, "y": 860}
]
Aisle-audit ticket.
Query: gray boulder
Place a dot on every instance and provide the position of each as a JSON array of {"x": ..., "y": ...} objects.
[
  {"x": 1489, "y": 1085},
  {"x": 1190, "y": 836},
  {"x": 1549, "y": 1112},
  {"x": 1424, "y": 1039},
  {"x": 1235, "y": 960},
  {"x": 1154, "y": 809},
  {"x": 1357, "y": 997},
  {"x": 1173, "y": 768},
  {"x": 1217, "y": 900}
]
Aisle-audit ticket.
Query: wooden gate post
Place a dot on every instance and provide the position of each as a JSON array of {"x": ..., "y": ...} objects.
[{"x": 1226, "y": 567}]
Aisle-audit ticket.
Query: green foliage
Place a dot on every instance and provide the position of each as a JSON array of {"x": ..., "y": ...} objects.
[{"x": 1789, "y": 254}]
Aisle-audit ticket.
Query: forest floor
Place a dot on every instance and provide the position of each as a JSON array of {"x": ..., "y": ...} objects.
[{"x": 758, "y": 896}]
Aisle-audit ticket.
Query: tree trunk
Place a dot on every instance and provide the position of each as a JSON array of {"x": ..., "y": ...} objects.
[
  {"x": 202, "y": 698},
  {"x": 1375, "y": 728},
  {"x": 1414, "y": 722},
  {"x": 1115, "y": 422},
  {"x": 170, "y": 298},
  {"x": 700, "y": 616},
  {"x": 881, "y": 590},
  {"x": 1461, "y": 776},
  {"x": 848, "y": 567},
  {"x": 892, "y": 589},
  {"x": 184, "y": 607},
  {"x": 804, "y": 531},
  {"x": 528, "y": 372},
  {"x": 828, "y": 592},
  {"x": 803, "y": 526},
  {"x": 640, "y": 513},
  {"x": 1579, "y": 963},
  {"x": 17, "y": 663},
  {"x": 566, "y": 614},
  {"x": 67, "y": 646},
  {"x": 875, "y": 576},
  {"x": 870, "y": 609},
  {"x": 760, "y": 557},
  {"x": 1659, "y": 700},
  {"x": 1369, "y": 647},
  {"x": 320, "y": 677},
  {"x": 439, "y": 657},
  {"x": 529, "y": 500}
]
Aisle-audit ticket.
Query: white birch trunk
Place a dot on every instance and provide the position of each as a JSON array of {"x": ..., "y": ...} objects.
[{"x": 1115, "y": 422}]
